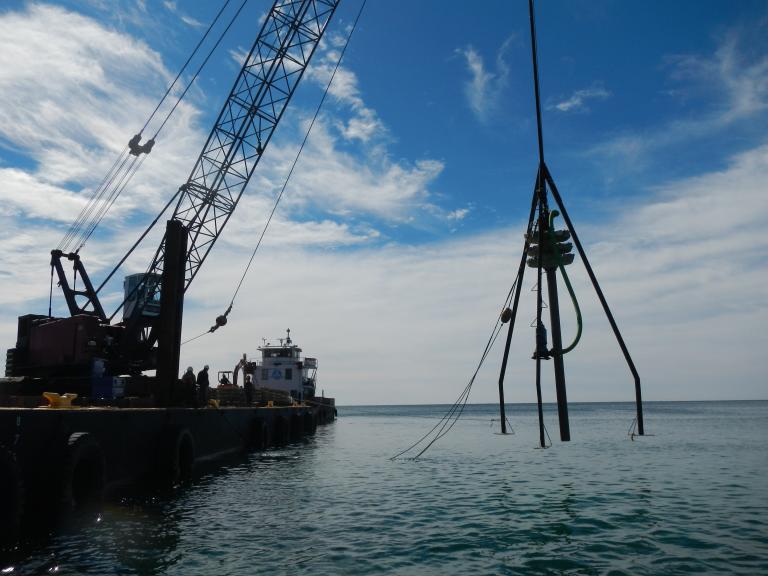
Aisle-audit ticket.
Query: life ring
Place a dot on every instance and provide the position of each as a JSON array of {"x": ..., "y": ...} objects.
[
  {"x": 11, "y": 495},
  {"x": 177, "y": 457},
  {"x": 82, "y": 472}
]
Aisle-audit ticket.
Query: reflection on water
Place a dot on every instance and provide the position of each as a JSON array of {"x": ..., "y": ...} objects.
[{"x": 690, "y": 499}]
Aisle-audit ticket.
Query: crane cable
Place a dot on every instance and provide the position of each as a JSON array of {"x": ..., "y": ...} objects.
[
  {"x": 449, "y": 419},
  {"x": 90, "y": 216},
  {"x": 64, "y": 241},
  {"x": 222, "y": 319},
  {"x": 184, "y": 67},
  {"x": 119, "y": 189},
  {"x": 148, "y": 145},
  {"x": 451, "y": 416}
]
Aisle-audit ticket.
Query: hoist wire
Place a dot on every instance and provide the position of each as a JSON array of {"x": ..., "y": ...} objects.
[
  {"x": 98, "y": 202},
  {"x": 72, "y": 228},
  {"x": 91, "y": 216},
  {"x": 196, "y": 337},
  {"x": 290, "y": 172},
  {"x": 184, "y": 67},
  {"x": 136, "y": 244},
  {"x": 298, "y": 154},
  {"x": 449, "y": 419},
  {"x": 110, "y": 200},
  {"x": 200, "y": 68},
  {"x": 97, "y": 197},
  {"x": 124, "y": 258}
]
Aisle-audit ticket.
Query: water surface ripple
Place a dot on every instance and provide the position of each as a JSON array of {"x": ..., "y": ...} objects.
[{"x": 692, "y": 498}]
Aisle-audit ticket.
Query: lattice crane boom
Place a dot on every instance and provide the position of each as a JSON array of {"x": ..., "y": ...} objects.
[
  {"x": 149, "y": 336},
  {"x": 272, "y": 70}
]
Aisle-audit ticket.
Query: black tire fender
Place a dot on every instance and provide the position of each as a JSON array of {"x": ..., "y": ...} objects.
[
  {"x": 11, "y": 495},
  {"x": 83, "y": 472},
  {"x": 280, "y": 430},
  {"x": 176, "y": 457},
  {"x": 259, "y": 436},
  {"x": 296, "y": 427},
  {"x": 310, "y": 423}
]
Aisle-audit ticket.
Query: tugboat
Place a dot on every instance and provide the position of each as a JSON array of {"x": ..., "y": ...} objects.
[
  {"x": 282, "y": 376},
  {"x": 282, "y": 368}
]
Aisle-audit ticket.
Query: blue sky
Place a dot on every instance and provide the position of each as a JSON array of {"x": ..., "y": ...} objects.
[{"x": 398, "y": 235}]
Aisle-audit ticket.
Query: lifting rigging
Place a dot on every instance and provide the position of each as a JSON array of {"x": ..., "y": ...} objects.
[
  {"x": 547, "y": 250},
  {"x": 69, "y": 352}
]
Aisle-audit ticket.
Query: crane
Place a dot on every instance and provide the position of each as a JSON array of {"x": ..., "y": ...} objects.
[{"x": 69, "y": 353}]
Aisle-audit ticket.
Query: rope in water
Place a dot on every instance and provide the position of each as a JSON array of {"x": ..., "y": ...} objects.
[{"x": 449, "y": 419}]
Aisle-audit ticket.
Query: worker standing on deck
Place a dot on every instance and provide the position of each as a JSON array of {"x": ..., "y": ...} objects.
[
  {"x": 188, "y": 385},
  {"x": 248, "y": 389},
  {"x": 202, "y": 385}
]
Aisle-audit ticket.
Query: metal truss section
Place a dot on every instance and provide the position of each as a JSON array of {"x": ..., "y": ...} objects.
[{"x": 277, "y": 61}]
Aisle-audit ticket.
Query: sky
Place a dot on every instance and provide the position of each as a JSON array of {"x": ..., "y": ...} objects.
[{"x": 399, "y": 234}]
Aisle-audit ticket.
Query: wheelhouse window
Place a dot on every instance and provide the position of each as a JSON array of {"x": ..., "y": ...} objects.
[{"x": 280, "y": 353}]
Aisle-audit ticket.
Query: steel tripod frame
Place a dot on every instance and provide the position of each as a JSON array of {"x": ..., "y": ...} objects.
[
  {"x": 544, "y": 179},
  {"x": 538, "y": 201},
  {"x": 515, "y": 302},
  {"x": 596, "y": 285}
]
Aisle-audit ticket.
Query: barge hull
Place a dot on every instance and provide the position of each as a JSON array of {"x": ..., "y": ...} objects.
[{"x": 57, "y": 460}]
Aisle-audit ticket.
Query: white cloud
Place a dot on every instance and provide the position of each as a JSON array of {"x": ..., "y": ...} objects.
[
  {"x": 484, "y": 88},
  {"x": 458, "y": 214},
  {"x": 738, "y": 81},
  {"x": 378, "y": 186},
  {"x": 577, "y": 101},
  {"x": 684, "y": 271},
  {"x": 239, "y": 55},
  {"x": 99, "y": 87},
  {"x": 189, "y": 21},
  {"x": 364, "y": 125},
  {"x": 733, "y": 80},
  {"x": 96, "y": 81}
]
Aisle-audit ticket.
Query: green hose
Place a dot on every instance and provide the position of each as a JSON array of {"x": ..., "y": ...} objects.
[{"x": 550, "y": 230}]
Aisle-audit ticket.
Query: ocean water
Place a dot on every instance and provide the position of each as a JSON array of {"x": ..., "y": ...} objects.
[{"x": 689, "y": 498}]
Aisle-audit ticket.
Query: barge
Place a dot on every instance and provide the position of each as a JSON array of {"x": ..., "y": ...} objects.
[
  {"x": 75, "y": 451},
  {"x": 117, "y": 413}
]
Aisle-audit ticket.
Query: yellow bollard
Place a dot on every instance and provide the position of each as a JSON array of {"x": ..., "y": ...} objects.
[{"x": 56, "y": 400}]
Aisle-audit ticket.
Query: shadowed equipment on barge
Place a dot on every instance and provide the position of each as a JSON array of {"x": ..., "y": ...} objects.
[
  {"x": 118, "y": 414},
  {"x": 56, "y": 460}
]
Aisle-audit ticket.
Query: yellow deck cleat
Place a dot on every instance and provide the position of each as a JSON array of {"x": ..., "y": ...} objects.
[{"x": 56, "y": 400}]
